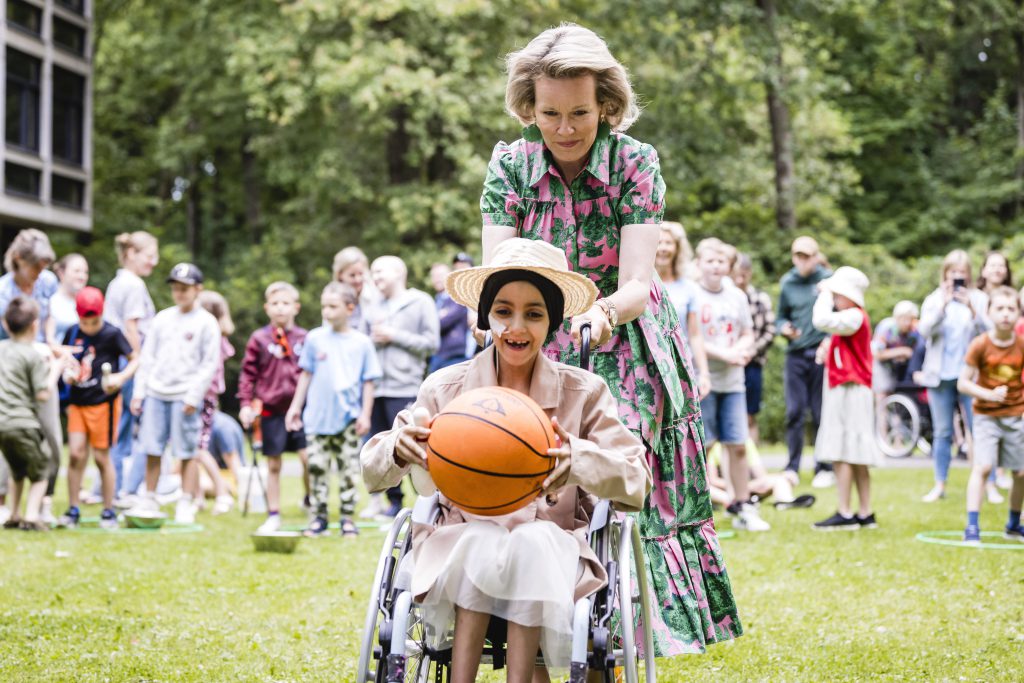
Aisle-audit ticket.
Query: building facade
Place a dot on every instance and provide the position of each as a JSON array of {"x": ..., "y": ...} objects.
[{"x": 46, "y": 159}]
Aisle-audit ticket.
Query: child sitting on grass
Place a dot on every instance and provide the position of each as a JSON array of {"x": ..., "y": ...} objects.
[
  {"x": 25, "y": 383},
  {"x": 992, "y": 376},
  {"x": 846, "y": 436},
  {"x": 179, "y": 358},
  {"x": 339, "y": 366},
  {"x": 94, "y": 401}
]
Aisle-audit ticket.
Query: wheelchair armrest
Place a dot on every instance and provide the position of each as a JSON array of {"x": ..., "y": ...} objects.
[{"x": 601, "y": 515}]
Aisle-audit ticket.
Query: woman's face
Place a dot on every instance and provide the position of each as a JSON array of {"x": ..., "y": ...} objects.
[
  {"x": 30, "y": 272},
  {"x": 995, "y": 270},
  {"x": 519, "y": 323},
  {"x": 76, "y": 275},
  {"x": 567, "y": 114},
  {"x": 665, "y": 257},
  {"x": 354, "y": 276},
  {"x": 142, "y": 261},
  {"x": 956, "y": 271}
]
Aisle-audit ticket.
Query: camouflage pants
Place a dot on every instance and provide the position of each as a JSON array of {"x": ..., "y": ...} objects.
[{"x": 343, "y": 449}]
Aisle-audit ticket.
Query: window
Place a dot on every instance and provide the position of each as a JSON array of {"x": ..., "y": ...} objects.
[
  {"x": 69, "y": 36},
  {"x": 67, "y": 191},
  {"x": 25, "y": 16},
  {"x": 68, "y": 115},
  {"x": 21, "y": 180},
  {"x": 76, "y": 6},
  {"x": 22, "y": 106}
]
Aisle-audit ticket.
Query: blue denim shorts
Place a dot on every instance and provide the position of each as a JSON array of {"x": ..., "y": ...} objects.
[
  {"x": 725, "y": 417},
  {"x": 165, "y": 421}
]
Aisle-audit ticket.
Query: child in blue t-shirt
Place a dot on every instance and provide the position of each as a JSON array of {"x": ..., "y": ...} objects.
[{"x": 339, "y": 366}]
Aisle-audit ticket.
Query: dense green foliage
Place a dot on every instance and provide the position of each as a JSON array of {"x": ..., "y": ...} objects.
[
  {"x": 866, "y": 605},
  {"x": 262, "y": 137}
]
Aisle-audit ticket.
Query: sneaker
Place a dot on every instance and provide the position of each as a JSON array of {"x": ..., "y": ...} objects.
[
  {"x": 185, "y": 512},
  {"x": 223, "y": 504},
  {"x": 390, "y": 513},
  {"x": 749, "y": 519},
  {"x": 108, "y": 519},
  {"x": 992, "y": 494},
  {"x": 1014, "y": 533},
  {"x": 172, "y": 496},
  {"x": 46, "y": 512},
  {"x": 348, "y": 528},
  {"x": 935, "y": 494},
  {"x": 972, "y": 534},
  {"x": 70, "y": 519},
  {"x": 804, "y": 500},
  {"x": 318, "y": 527},
  {"x": 1004, "y": 481},
  {"x": 823, "y": 479},
  {"x": 125, "y": 501},
  {"x": 145, "y": 504},
  {"x": 867, "y": 522},
  {"x": 271, "y": 525},
  {"x": 837, "y": 521},
  {"x": 5, "y": 514}
]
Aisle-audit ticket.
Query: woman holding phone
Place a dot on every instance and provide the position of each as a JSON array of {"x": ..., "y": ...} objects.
[{"x": 951, "y": 317}]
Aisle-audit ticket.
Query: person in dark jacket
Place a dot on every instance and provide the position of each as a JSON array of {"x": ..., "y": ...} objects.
[{"x": 454, "y": 320}]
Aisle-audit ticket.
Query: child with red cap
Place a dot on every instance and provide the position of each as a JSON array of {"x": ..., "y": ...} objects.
[{"x": 93, "y": 405}]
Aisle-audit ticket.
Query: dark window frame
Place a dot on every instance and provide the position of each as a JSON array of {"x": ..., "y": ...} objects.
[
  {"x": 79, "y": 185},
  {"x": 37, "y": 33},
  {"x": 84, "y": 36},
  {"x": 19, "y": 192},
  {"x": 69, "y": 111},
  {"x": 28, "y": 98},
  {"x": 76, "y": 6}
]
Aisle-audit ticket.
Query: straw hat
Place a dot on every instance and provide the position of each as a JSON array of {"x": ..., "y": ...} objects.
[
  {"x": 465, "y": 286},
  {"x": 848, "y": 282}
]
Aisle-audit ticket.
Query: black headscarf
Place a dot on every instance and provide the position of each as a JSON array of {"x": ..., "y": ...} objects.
[{"x": 553, "y": 299}]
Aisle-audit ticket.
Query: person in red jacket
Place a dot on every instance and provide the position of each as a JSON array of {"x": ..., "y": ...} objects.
[
  {"x": 270, "y": 371},
  {"x": 846, "y": 436}
]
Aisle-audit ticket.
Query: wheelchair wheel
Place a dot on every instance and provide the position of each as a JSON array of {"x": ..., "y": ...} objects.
[
  {"x": 634, "y": 605},
  {"x": 899, "y": 428},
  {"x": 378, "y": 625},
  {"x": 408, "y": 661}
]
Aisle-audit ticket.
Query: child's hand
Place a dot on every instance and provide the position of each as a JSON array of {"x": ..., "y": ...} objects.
[
  {"x": 997, "y": 395},
  {"x": 136, "y": 406},
  {"x": 703, "y": 386},
  {"x": 408, "y": 448},
  {"x": 114, "y": 383},
  {"x": 563, "y": 457},
  {"x": 362, "y": 425},
  {"x": 188, "y": 410},
  {"x": 246, "y": 415},
  {"x": 293, "y": 420},
  {"x": 382, "y": 333}
]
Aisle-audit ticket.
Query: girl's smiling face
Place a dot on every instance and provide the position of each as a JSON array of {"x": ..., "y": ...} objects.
[{"x": 519, "y": 323}]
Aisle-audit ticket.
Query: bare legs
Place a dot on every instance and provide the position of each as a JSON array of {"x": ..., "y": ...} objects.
[
  {"x": 846, "y": 476},
  {"x": 523, "y": 644},
  {"x": 78, "y": 450}
]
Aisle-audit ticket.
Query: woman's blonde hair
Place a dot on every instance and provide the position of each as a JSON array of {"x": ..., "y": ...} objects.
[
  {"x": 217, "y": 305},
  {"x": 346, "y": 257},
  {"x": 957, "y": 257},
  {"x": 29, "y": 246},
  {"x": 570, "y": 51},
  {"x": 684, "y": 252},
  {"x": 132, "y": 241}
]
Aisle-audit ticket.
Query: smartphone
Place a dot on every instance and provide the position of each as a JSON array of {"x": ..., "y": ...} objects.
[{"x": 959, "y": 283}]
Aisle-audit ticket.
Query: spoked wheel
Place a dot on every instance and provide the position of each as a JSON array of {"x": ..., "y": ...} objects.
[
  {"x": 637, "y": 663},
  {"x": 899, "y": 428},
  {"x": 377, "y": 628},
  {"x": 408, "y": 661}
]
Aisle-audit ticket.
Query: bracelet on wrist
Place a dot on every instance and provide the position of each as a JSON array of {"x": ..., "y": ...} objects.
[{"x": 608, "y": 306}]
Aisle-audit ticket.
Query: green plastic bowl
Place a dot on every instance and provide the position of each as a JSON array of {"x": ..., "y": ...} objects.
[
  {"x": 145, "y": 520},
  {"x": 277, "y": 542}
]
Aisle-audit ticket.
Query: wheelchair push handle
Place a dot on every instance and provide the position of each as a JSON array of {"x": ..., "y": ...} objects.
[{"x": 585, "y": 346}]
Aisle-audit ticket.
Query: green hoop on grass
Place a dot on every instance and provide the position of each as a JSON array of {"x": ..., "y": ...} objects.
[{"x": 956, "y": 539}]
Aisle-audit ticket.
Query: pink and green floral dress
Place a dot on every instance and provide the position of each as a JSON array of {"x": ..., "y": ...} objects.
[{"x": 645, "y": 363}]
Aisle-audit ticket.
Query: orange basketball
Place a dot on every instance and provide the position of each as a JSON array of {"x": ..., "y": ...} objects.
[{"x": 487, "y": 450}]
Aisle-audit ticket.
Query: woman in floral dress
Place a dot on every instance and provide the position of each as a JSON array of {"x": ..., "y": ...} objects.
[{"x": 575, "y": 181}]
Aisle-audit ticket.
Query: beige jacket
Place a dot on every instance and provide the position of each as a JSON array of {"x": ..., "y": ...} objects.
[{"x": 608, "y": 461}]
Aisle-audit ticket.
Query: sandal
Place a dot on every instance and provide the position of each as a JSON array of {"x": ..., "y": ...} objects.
[
  {"x": 36, "y": 525},
  {"x": 348, "y": 528},
  {"x": 13, "y": 523},
  {"x": 318, "y": 527},
  {"x": 805, "y": 500}
]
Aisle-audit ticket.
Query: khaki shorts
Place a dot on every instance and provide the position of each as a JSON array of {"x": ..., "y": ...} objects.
[
  {"x": 999, "y": 441},
  {"x": 24, "y": 451}
]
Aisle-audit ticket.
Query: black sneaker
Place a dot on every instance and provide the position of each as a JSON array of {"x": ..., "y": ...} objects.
[
  {"x": 108, "y": 519},
  {"x": 868, "y": 522},
  {"x": 1014, "y": 533},
  {"x": 318, "y": 527},
  {"x": 837, "y": 521},
  {"x": 70, "y": 519}
]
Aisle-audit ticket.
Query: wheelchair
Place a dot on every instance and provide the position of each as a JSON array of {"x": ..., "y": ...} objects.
[
  {"x": 394, "y": 644},
  {"x": 905, "y": 422}
]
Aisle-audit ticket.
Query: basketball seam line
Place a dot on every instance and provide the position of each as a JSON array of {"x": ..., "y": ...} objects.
[
  {"x": 470, "y": 508},
  {"x": 488, "y": 472},
  {"x": 499, "y": 427},
  {"x": 530, "y": 410}
]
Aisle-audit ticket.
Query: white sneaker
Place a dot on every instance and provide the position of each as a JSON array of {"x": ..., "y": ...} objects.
[
  {"x": 169, "y": 497},
  {"x": 993, "y": 495},
  {"x": 749, "y": 519},
  {"x": 185, "y": 512},
  {"x": 223, "y": 504},
  {"x": 271, "y": 525},
  {"x": 47, "y": 518},
  {"x": 935, "y": 494},
  {"x": 823, "y": 480},
  {"x": 126, "y": 501},
  {"x": 145, "y": 503},
  {"x": 5, "y": 514},
  {"x": 1004, "y": 481}
]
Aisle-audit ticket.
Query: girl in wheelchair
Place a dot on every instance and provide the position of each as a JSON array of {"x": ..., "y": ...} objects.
[{"x": 527, "y": 567}]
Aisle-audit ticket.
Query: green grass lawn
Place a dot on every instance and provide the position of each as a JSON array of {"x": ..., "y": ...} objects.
[{"x": 869, "y": 605}]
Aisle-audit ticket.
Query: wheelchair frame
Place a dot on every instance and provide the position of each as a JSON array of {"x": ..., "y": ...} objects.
[{"x": 394, "y": 649}]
